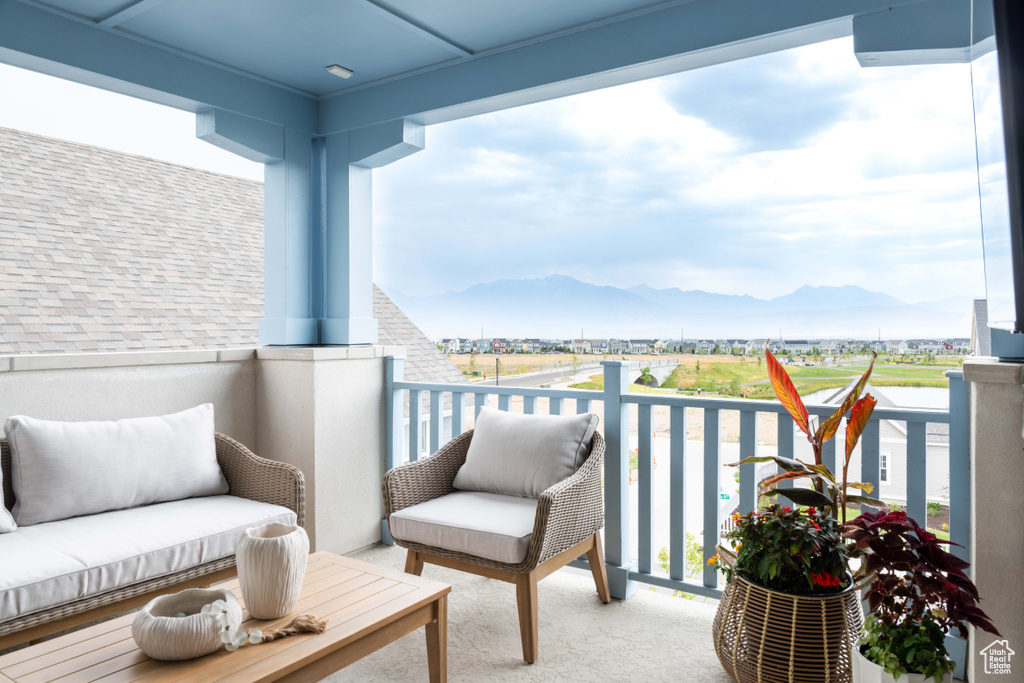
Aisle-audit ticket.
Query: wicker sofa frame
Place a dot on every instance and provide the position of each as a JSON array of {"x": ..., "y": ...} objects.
[
  {"x": 568, "y": 521},
  {"x": 248, "y": 475}
]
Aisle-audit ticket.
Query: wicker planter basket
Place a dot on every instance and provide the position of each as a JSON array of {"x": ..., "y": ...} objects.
[{"x": 764, "y": 636}]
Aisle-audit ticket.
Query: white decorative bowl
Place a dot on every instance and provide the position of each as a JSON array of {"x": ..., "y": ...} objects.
[
  {"x": 271, "y": 567},
  {"x": 162, "y": 635}
]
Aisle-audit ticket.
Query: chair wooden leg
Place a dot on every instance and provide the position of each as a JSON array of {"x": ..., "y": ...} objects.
[
  {"x": 413, "y": 563},
  {"x": 437, "y": 642},
  {"x": 595, "y": 556},
  {"x": 526, "y": 597}
]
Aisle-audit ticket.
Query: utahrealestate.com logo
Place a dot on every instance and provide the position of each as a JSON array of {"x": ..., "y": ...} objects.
[{"x": 997, "y": 656}]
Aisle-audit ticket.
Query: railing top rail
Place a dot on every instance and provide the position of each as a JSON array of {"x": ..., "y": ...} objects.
[
  {"x": 899, "y": 414},
  {"x": 583, "y": 394},
  {"x": 904, "y": 414}
]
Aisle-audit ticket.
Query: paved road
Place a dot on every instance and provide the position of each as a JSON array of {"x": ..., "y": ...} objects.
[{"x": 541, "y": 378}]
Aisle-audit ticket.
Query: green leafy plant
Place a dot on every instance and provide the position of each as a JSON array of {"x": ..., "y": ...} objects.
[
  {"x": 794, "y": 551},
  {"x": 828, "y": 492},
  {"x": 919, "y": 593},
  {"x": 934, "y": 509}
]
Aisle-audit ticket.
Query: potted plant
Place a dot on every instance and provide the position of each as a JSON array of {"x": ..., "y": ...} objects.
[
  {"x": 790, "y": 606},
  {"x": 919, "y": 592}
]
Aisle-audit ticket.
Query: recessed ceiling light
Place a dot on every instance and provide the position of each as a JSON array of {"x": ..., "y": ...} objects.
[{"x": 340, "y": 71}]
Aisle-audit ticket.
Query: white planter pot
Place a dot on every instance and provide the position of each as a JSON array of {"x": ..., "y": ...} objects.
[
  {"x": 162, "y": 635},
  {"x": 271, "y": 566},
  {"x": 866, "y": 671}
]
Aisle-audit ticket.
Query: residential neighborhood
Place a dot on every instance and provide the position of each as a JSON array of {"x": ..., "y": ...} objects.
[{"x": 735, "y": 347}]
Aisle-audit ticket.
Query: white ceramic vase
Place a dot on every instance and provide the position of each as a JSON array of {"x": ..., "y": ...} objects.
[
  {"x": 271, "y": 567},
  {"x": 162, "y": 635},
  {"x": 866, "y": 671}
]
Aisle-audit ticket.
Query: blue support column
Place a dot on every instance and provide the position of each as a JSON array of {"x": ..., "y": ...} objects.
[
  {"x": 712, "y": 486},
  {"x": 616, "y": 479},
  {"x": 290, "y": 299},
  {"x": 748, "y": 449},
  {"x": 959, "y": 464}
]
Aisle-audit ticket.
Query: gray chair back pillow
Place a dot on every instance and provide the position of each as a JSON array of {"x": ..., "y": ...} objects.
[{"x": 522, "y": 455}]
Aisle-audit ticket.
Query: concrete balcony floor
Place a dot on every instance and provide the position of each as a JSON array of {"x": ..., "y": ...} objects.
[{"x": 650, "y": 637}]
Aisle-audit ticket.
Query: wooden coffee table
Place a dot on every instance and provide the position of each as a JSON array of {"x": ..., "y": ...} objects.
[{"x": 366, "y": 606}]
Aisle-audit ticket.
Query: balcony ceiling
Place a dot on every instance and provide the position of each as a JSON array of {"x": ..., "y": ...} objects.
[{"x": 433, "y": 60}]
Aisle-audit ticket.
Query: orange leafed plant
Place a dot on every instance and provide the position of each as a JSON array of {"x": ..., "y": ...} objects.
[{"x": 826, "y": 492}]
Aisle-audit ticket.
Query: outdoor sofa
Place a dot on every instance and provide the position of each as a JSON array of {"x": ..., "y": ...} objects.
[{"x": 64, "y": 572}]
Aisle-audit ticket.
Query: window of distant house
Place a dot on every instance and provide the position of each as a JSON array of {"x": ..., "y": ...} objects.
[{"x": 885, "y": 468}]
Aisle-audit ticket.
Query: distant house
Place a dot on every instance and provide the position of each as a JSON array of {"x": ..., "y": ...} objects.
[
  {"x": 450, "y": 345},
  {"x": 580, "y": 346},
  {"x": 798, "y": 345},
  {"x": 483, "y": 345},
  {"x": 530, "y": 346},
  {"x": 465, "y": 346},
  {"x": 618, "y": 346},
  {"x": 599, "y": 345},
  {"x": 756, "y": 346},
  {"x": 640, "y": 345},
  {"x": 500, "y": 346},
  {"x": 551, "y": 345},
  {"x": 658, "y": 346}
]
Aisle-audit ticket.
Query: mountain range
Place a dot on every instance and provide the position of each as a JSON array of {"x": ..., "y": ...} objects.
[{"x": 560, "y": 306}]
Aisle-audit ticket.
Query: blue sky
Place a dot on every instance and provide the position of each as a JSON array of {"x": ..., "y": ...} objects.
[{"x": 753, "y": 177}]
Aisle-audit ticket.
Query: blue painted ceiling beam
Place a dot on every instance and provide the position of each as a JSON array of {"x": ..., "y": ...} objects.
[
  {"x": 933, "y": 32},
  {"x": 36, "y": 39},
  {"x": 676, "y": 38}
]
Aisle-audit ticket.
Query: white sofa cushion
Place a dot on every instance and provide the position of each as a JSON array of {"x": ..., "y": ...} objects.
[
  {"x": 54, "y": 563},
  {"x": 486, "y": 525},
  {"x": 522, "y": 455},
  {"x": 66, "y": 469}
]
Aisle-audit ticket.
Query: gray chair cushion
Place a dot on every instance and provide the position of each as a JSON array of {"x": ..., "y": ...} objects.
[
  {"x": 487, "y": 525},
  {"x": 522, "y": 455},
  {"x": 53, "y": 563}
]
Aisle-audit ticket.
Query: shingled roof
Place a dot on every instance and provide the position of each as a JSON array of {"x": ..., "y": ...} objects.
[{"x": 107, "y": 251}]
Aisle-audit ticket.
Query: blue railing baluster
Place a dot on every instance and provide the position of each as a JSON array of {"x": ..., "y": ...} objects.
[
  {"x": 712, "y": 465},
  {"x": 748, "y": 449},
  {"x": 415, "y": 403},
  {"x": 479, "y": 401},
  {"x": 959, "y": 464},
  {"x": 555, "y": 406},
  {"x": 458, "y": 413},
  {"x": 503, "y": 402},
  {"x": 645, "y": 473},
  {"x": 436, "y": 405},
  {"x": 529, "y": 405},
  {"x": 828, "y": 455},
  {"x": 917, "y": 471},
  {"x": 870, "y": 458},
  {"x": 582, "y": 406},
  {"x": 785, "y": 443},
  {"x": 394, "y": 412},
  {"x": 677, "y": 493}
]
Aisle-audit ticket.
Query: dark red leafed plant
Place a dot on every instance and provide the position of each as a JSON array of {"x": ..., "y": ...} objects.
[
  {"x": 827, "y": 492},
  {"x": 915, "y": 576},
  {"x": 919, "y": 594}
]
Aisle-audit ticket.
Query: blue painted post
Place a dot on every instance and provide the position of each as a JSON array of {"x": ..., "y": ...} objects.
[
  {"x": 870, "y": 458},
  {"x": 616, "y": 479},
  {"x": 504, "y": 401},
  {"x": 394, "y": 418},
  {"x": 555, "y": 406},
  {"x": 677, "y": 493},
  {"x": 458, "y": 413},
  {"x": 435, "y": 421},
  {"x": 785, "y": 442},
  {"x": 917, "y": 472},
  {"x": 748, "y": 449},
  {"x": 529, "y": 405},
  {"x": 712, "y": 465},
  {"x": 415, "y": 403},
  {"x": 959, "y": 464},
  {"x": 645, "y": 472},
  {"x": 582, "y": 406},
  {"x": 290, "y": 302}
]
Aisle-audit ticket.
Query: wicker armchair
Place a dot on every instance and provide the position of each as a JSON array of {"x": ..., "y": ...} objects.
[
  {"x": 567, "y": 525},
  {"x": 248, "y": 475}
]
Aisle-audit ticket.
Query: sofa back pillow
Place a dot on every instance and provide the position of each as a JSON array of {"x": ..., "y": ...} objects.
[
  {"x": 522, "y": 455},
  {"x": 68, "y": 469}
]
